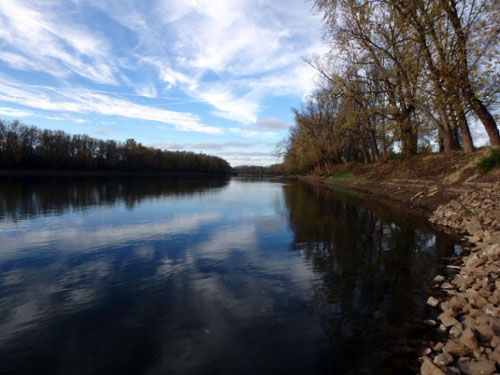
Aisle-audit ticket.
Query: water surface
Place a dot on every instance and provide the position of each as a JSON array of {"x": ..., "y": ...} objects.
[{"x": 162, "y": 275}]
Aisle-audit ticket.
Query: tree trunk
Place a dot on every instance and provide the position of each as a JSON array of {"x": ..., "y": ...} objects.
[
  {"x": 484, "y": 115},
  {"x": 464, "y": 128}
]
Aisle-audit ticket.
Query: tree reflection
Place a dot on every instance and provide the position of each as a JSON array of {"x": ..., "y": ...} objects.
[
  {"x": 372, "y": 264},
  {"x": 28, "y": 197}
]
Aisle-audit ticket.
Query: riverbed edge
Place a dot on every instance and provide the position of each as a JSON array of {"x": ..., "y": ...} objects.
[{"x": 470, "y": 312}]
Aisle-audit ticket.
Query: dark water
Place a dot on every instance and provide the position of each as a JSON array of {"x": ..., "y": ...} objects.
[{"x": 156, "y": 276}]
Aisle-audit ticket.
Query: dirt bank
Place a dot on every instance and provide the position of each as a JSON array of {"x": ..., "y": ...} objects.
[{"x": 453, "y": 194}]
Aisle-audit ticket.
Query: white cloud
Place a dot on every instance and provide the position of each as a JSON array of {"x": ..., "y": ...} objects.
[
  {"x": 39, "y": 36},
  {"x": 234, "y": 56},
  {"x": 230, "y": 106},
  {"x": 146, "y": 90},
  {"x": 247, "y": 133},
  {"x": 86, "y": 101},
  {"x": 254, "y": 48},
  {"x": 12, "y": 112}
]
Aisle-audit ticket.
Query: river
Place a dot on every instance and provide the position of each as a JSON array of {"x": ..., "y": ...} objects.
[{"x": 152, "y": 275}]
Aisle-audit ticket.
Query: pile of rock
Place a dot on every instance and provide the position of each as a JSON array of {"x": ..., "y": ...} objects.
[
  {"x": 471, "y": 312},
  {"x": 476, "y": 213},
  {"x": 471, "y": 316}
]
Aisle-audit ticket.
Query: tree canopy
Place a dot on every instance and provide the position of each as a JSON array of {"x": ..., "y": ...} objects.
[
  {"x": 401, "y": 75},
  {"x": 29, "y": 147}
]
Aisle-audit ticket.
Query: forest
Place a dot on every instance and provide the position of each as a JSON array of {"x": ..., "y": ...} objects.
[
  {"x": 28, "y": 147},
  {"x": 402, "y": 77},
  {"x": 257, "y": 170}
]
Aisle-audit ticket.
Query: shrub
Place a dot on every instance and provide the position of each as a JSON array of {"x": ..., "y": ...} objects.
[{"x": 487, "y": 163}]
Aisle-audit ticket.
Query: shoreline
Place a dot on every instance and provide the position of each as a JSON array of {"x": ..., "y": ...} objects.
[
  {"x": 102, "y": 173},
  {"x": 464, "y": 308}
]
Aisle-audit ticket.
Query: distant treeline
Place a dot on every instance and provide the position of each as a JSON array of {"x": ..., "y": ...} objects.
[
  {"x": 273, "y": 170},
  {"x": 28, "y": 147}
]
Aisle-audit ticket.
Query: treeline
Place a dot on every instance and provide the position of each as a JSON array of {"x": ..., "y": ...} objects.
[
  {"x": 28, "y": 147},
  {"x": 402, "y": 76},
  {"x": 257, "y": 170}
]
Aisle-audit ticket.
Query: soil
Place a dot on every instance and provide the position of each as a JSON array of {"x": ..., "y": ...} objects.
[{"x": 421, "y": 183}]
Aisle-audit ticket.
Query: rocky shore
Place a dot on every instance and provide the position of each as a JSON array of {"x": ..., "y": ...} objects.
[
  {"x": 450, "y": 191},
  {"x": 467, "y": 304}
]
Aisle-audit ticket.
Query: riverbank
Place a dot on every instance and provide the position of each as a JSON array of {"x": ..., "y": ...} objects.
[{"x": 451, "y": 192}]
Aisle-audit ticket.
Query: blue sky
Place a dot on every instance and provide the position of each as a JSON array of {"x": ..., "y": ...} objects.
[{"x": 216, "y": 76}]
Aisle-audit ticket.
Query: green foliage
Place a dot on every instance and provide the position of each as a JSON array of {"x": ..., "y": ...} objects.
[
  {"x": 339, "y": 175},
  {"x": 487, "y": 163}
]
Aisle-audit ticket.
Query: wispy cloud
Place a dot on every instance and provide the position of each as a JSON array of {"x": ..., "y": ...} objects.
[
  {"x": 235, "y": 60},
  {"x": 252, "y": 49},
  {"x": 12, "y": 112},
  {"x": 249, "y": 132},
  {"x": 86, "y": 101},
  {"x": 38, "y": 38},
  {"x": 212, "y": 146},
  {"x": 271, "y": 123}
]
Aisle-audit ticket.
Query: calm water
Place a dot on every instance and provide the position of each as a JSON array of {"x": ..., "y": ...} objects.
[{"x": 155, "y": 276}]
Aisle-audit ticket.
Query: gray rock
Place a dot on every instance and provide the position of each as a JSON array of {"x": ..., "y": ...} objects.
[
  {"x": 446, "y": 285},
  {"x": 432, "y": 302},
  {"x": 495, "y": 341},
  {"x": 443, "y": 359},
  {"x": 456, "y": 330},
  {"x": 484, "y": 331},
  {"x": 439, "y": 279},
  {"x": 429, "y": 368},
  {"x": 438, "y": 347},
  {"x": 456, "y": 348},
  {"x": 468, "y": 339},
  {"x": 495, "y": 356},
  {"x": 448, "y": 320},
  {"x": 483, "y": 367}
]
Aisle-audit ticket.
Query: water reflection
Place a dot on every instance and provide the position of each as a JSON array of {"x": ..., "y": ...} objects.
[
  {"x": 374, "y": 263},
  {"x": 206, "y": 276},
  {"x": 25, "y": 197}
]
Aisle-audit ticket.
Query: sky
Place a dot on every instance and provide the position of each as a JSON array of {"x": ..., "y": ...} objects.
[{"x": 212, "y": 76}]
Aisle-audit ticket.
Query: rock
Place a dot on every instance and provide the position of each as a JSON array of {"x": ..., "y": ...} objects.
[
  {"x": 481, "y": 302},
  {"x": 426, "y": 351},
  {"x": 457, "y": 303},
  {"x": 429, "y": 368},
  {"x": 432, "y": 302},
  {"x": 484, "y": 367},
  {"x": 474, "y": 238},
  {"x": 468, "y": 339},
  {"x": 456, "y": 330},
  {"x": 444, "y": 306},
  {"x": 495, "y": 356},
  {"x": 491, "y": 310},
  {"x": 485, "y": 332},
  {"x": 430, "y": 322},
  {"x": 439, "y": 279},
  {"x": 456, "y": 348},
  {"x": 447, "y": 285},
  {"x": 453, "y": 371},
  {"x": 438, "y": 347},
  {"x": 448, "y": 320},
  {"x": 441, "y": 328},
  {"x": 474, "y": 313},
  {"x": 443, "y": 359},
  {"x": 495, "y": 341}
]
